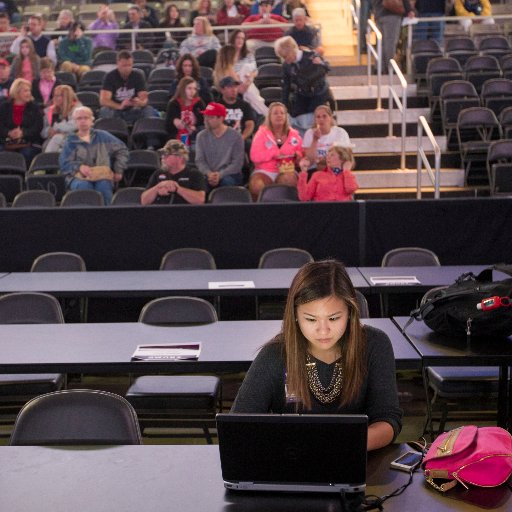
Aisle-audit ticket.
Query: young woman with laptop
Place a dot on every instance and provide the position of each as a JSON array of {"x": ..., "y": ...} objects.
[{"x": 324, "y": 361}]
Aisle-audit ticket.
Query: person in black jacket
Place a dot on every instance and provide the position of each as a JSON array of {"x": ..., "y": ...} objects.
[
  {"x": 304, "y": 82},
  {"x": 21, "y": 121}
]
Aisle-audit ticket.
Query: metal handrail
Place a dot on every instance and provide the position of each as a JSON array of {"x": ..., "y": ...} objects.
[
  {"x": 377, "y": 54},
  {"x": 400, "y": 103},
  {"x": 422, "y": 158},
  {"x": 355, "y": 9}
]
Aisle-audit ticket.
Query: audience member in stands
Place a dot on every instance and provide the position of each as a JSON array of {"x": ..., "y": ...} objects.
[
  {"x": 10, "y": 8},
  {"x": 143, "y": 40},
  {"x": 257, "y": 37},
  {"x": 205, "y": 9},
  {"x": 172, "y": 19},
  {"x": 243, "y": 58},
  {"x": 430, "y": 29},
  {"x": 44, "y": 86},
  {"x": 148, "y": 13},
  {"x": 239, "y": 114},
  {"x": 5, "y": 79},
  {"x": 21, "y": 121},
  {"x": 304, "y": 82},
  {"x": 364, "y": 15},
  {"x": 335, "y": 182},
  {"x": 202, "y": 43},
  {"x": 75, "y": 51},
  {"x": 6, "y": 40},
  {"x": 58, "y": 118},
  {"x": 123, "y": 93},
  {"x": 325, "y": 360},
  {"x": 184, "y": 118},
  {"x": 187, "y": 65},
  {"x": 43, "y": 45},
  {"x": 89, "y": 151},
  {"x": 225, "y": 66},
  {"x": 232, "y": 12},
  {"x": 323, "y": 136},
  {"x": 305, "y": 35},
  {"x": 390, "y": 25},
  {"x": 473, "y": 9},
  {"x": 219, "y": 149},
  {"x": 277, "y": 7},
  {"x": 290, "y": 5},
  {"x": 106, "y": 20},
  {"x": 27, "y": 63},
  {"x": 275, "y": 149},
  {"x": 176, "y": 183},
  {"x": 65, "y": 21}
]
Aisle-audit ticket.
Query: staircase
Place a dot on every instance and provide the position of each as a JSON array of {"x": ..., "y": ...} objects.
[{"x": 378, "y": 162}]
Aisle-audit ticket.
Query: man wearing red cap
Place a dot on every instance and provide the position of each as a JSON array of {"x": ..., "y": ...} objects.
[{"x": 219, "y": 149}]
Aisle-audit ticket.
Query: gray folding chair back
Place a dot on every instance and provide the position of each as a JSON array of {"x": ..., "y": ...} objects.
[
  {"x": 34, "y": 199},
  {"x": 278, "y": 193},
  {"x": 58, "y": 262},
  {"x": 127, "y": 196},
  {"x": 30, "y": 308},
  {"x": 12, "y": 163},
  {"x": 230, "y": 195},
  {"x": 76, "y": 417},
  {"x": 285, "y": 257},
  {"x": 3, "y": 201},
  {"x": 405, "y": 257},
  {"x": 178, "y": 310},
  {"x": 410, "y": 257},
  {"x": 364, "y": 310},
  {"x": 188, "y": 258},
  {"x": 79, "y": 198}
]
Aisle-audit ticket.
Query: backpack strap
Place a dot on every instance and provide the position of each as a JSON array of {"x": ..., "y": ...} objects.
[{"x": 486, "y": 275}]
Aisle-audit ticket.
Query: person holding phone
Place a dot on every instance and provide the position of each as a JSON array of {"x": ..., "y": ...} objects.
[{"x": 324, "y": 361}]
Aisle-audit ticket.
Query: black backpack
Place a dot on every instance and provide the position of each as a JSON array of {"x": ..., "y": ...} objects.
[{"x": 474, "y": 305}]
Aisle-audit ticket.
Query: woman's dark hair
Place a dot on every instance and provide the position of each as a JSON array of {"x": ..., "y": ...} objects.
[
  {"x": 195, "y": 66},
  {"x": 318, "y": 280},
  {"x": 244, "y": 50}
]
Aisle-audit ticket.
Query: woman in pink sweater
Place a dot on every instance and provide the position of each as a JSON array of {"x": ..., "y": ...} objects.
[
  {"x": 275, "y": 149},
  {"x": 335, "y": 183}
]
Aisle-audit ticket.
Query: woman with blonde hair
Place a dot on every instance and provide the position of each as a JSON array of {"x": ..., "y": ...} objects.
[
  {"x": 225, "y": 66},
  {"x": 21, "y": 121},
  {"x": 324, "y": 360},
  {"x": 205, "y": 9},
  {"x": 202, "y": 43},
  {"x": 323, "y": 135},
  {"x": 275, "y": 150},
  {"x": 27, "y": 63},
  {"x": 58, "y": 118},
  {"x": 336, "y": 182}
]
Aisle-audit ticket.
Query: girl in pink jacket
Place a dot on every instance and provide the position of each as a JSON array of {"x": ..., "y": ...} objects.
[
  {"x": 335, "y": 183},
  {"x": 275, "y": 149}
]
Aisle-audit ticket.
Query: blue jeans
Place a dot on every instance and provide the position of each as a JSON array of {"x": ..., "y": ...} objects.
[
  {"x": 230, "y": 180},
  {"x": 103, "y": 186},
  {"x": 429, "y": 29},
  {"x": 130, "y": 115}
]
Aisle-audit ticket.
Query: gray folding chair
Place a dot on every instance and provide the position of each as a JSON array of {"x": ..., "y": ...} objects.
[
  {"x": 76, "y": 417},
  {"x": 170, "y": 401},
  {"x": 34, "y": 199}
]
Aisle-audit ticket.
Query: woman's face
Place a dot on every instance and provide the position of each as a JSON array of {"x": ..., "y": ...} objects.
[
  {"x": 323, "y": 322},
  {"x": 58, "y": 98},
  {"x": 174, "y": 14},
  {"x": 229, "y": 3},
  {"x": 239, "y": 40},
  {"x": 323, "y": 119},
  {"x": 25, "y": 49},
  {"x": 333, "y": 159},
  {"x": 198, "y": 27},
  {"x": 187, "y": 68},
  {"x": 191, "y": 91},
  {"x": 205, "y": 5},
  {"x": 277, "y": 116},
  {"x": 24, "y": 94}
]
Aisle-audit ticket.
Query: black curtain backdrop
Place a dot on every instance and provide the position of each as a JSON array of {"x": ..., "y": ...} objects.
[{"x": 460, "y": 231}]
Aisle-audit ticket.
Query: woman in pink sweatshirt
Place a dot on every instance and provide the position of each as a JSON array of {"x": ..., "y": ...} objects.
[
  {"x": 276, "y": 148},
  {"x": 335, "y": 183}
]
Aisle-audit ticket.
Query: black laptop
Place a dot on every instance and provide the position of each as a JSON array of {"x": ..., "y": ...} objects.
[{"x": 297, "y": 453}]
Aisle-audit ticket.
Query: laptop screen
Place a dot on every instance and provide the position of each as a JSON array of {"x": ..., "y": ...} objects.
[{"x": 293, "y": 452}]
